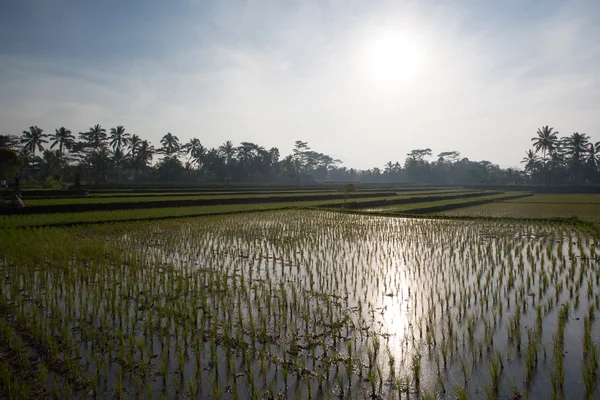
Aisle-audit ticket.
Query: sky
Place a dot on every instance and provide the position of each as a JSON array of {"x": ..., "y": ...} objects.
[{"x": 364, "y": 81}]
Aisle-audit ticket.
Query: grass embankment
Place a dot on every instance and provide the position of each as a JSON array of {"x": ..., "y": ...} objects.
[
  {"x": 424, "y": 207},
  {"x": 539, "y": 206},
  {"x": 107, "y": 204},
  {"x": 9, "y": 221},
  {"x": 586, "y": 212}
]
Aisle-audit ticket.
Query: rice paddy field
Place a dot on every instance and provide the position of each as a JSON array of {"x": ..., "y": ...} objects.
[
  {"x": 583, "y": 207},
  {"x": 302, "y": 301}
]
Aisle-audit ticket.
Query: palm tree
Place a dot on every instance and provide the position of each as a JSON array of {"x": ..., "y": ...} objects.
[
  {"x": 95, "y": 137},
  {"x": 576, "y": 146},
  {"x": 99, "y": 161},
  {"x": 63, "y": 138},
  {"x": 389, "y": 167},
  {"x": 134, "y": 145},
  {"x": 228, "y": 150},
  {"x": 33, "y": 139},
  {"x": 118, "y": 139},
  {"x": 593, "y": 155},
  {"x": 143, "y": 156},
  {"x": 9, "y": 141},
  {"x": 52, "y": 162},
  {"x": 170, "y": 145},
  {"x": 531, "y": 161},
  {"x": 546, "y": 140},
  {"x": 592, "y": 159},
  {"x": 195, "y": 150}
]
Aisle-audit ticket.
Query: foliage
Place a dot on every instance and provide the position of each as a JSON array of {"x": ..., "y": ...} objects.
[{"x": 10, "y": 163}]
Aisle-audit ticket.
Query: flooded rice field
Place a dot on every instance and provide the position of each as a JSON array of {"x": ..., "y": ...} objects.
[{"x": 302, "y": 304}]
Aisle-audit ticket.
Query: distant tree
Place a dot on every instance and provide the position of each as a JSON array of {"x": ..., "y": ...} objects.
[
  {"x": 228, "y": 150},
  {"x": 33, "y": 139},
  {"x": 196, "y": 152},
  {"x": 94, "y": 138},
  {"x": 119, "y": 139},
  {"x": 448, "y": 156},
  {"x": 142, "y": 157},
  {"x": 10, "y": 163},
  {"x": 9, "y": 141},
  {"x": 546, "y": 140},
  {"x": 531, "y": 161},
  {"x": 52, "y": 162},
  {"x": 170, "y": 169},
  {"x": 576, "y": 146},
  {"x": 170, "y": 145},
  {"x": 63, "y": 138},
  {"x": 100, "y": 163}
]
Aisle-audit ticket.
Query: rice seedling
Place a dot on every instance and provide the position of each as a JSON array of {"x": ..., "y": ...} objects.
[{"x": 296, "y": 301}]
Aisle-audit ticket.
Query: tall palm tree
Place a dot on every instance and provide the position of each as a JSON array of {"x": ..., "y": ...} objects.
[
  {"x": 63, "y": 138},
  {"x": 531, "y": 161},
  {"x": 576, "y": 146},
  {"x": 118, "y": 140},
  {"x": 546, "y": 140},
  {"x": 134, "y": 145},
  {"x": 95, "y": 137},
  {"x": 33, "y": 139},
  {"x": 143, "y": 156},
  {"x": 195, "y": 150},
  {"x": 228, "y": 150},
  {"x": 170, "y": 145},
  {"x": 593, "y": 155}
]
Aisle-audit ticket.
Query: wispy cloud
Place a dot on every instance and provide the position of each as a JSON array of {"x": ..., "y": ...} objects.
[{"x": 276, "y": 73}]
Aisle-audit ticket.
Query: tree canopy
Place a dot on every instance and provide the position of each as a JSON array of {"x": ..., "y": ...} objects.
[{"x": 124, "y": 157}]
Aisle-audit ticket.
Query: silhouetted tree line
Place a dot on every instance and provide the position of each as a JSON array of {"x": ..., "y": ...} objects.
[
  {"x": 572, "y": 159},
  {"x": 99, "y": 156}
]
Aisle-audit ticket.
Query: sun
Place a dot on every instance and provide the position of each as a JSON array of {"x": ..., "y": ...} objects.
[{"x": 393, "y": 57}]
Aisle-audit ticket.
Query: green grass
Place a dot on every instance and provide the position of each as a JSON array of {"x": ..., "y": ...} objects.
[
  {"x": 11, "y": 221},
  {"x": 587, "y": 212},
  {"x": 560, "y": 198},
  {"x": 144, "y": 199},
  {"x": 148, "y": 197},
  {"x": 406, "y": 208}
]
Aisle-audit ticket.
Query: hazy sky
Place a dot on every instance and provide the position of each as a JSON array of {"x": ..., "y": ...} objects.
[{"x": 365, "y": 81}]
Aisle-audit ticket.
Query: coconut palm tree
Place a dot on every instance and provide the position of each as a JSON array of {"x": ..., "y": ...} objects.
[
  {"x": 593, "y": 155},
  {"x": 134, "y": 145},
  {"x": 170, "y": 145},
  {"x": 196, "y": 151},
  {"x": 95, "y": 137},
  {"x": 531, "y": 161},
  {"x": 546, "y": 140},
  {"x": 228, "y": 150},
  {"x": 33, "y": 139},
  {"x": 118, "y": 140},
  {"x": 143, "y": 156},
  {"x": 592, "y": 160},
  {"x": 63, "y": 138},
  {"x": 576, "y": 147}
]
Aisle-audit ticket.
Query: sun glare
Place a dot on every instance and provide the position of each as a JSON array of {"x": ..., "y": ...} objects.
[{"x": 393, "y": 58}]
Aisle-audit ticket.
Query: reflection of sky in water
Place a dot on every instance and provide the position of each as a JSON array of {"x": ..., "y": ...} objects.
[{"x": 403, "y": 281}]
